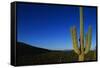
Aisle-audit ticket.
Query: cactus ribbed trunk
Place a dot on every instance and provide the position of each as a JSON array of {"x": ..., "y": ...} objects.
[
  {"x": 81, "y": 57},
  {"x": 81, "y": 30}
]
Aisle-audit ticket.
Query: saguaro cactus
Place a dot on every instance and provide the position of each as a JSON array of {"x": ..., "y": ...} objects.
[{"x": 84, "y": 42}]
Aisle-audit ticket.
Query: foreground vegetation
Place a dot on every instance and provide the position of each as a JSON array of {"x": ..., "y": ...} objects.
[{"x": 29, "y": 55}]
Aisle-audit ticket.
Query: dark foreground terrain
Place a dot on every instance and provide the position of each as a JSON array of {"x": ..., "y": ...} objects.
[{"x": 29, "y": 55}]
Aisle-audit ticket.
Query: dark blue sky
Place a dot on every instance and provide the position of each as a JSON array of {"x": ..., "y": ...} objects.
[{"x": 49, "y": 26}]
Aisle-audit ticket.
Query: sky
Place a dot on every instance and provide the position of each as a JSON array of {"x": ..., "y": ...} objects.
[{"x": 48, "y": 26}]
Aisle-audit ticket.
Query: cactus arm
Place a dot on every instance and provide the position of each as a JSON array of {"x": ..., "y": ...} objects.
[
  {"x": 75, "y": 41},
  {"x": 89, "y": 38},
  {"x": 81, "y": 30},
  {"x": 86, "y": 42}
]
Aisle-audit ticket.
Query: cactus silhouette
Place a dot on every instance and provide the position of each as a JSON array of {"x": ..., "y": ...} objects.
[{"x": 84, "y": 42}]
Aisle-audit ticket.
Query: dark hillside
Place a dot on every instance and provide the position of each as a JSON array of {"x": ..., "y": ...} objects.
[{"x": 25, "y": 49}]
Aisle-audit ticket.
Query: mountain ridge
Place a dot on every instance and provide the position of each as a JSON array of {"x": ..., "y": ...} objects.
[{"x": 26, "y": 49}]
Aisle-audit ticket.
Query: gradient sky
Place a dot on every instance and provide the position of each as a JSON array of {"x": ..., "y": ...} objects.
[{"x": 49, "y": 26}]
